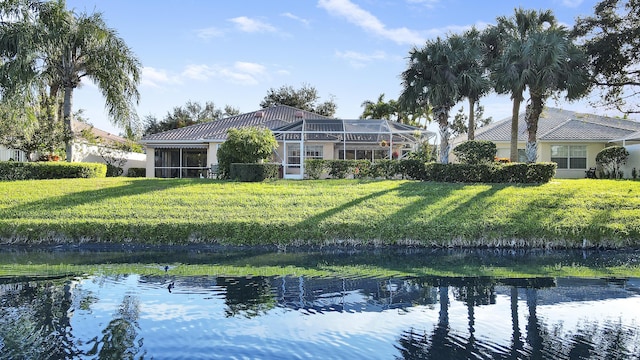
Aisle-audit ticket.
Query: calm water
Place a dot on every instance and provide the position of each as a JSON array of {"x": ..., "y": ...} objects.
[{"x": 167, "y": 316}]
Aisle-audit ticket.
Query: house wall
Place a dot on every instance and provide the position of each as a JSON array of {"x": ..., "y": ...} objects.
[
  {"x": 633, "y": 161},
  {"x": 91, "y": 153},
  {"x": 150, "y": 163},
  {"x": 7, "y": 154}
]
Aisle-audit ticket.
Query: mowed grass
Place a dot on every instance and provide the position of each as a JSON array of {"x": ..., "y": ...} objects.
[{"x": 562, "y": 213}]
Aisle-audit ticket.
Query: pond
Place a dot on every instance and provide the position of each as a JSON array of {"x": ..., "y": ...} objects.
[{"x": 130, "y": 307}]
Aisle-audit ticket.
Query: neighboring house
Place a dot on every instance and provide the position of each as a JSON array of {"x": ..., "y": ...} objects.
[
  {"x": 570, "y": 139},
  {"x": 7, "y": 154},
  {"x": 101, "y": 149},
  {"x": 190, "y": 151}
]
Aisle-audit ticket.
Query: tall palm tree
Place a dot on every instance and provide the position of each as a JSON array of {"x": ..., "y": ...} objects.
[
  {"x": 473, "y": 76},
  {"x": 431, "y": 80},
  {"x": 509, "y": 65},
  {"x": 64, "y": 48},
  {"x": 555, "y": 65}
]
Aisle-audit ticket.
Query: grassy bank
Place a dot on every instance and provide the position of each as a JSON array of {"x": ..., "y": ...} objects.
[{"x": 562, "y": 213}]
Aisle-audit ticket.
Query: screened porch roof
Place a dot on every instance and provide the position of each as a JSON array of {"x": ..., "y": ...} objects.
[{"x": 359, "y": 130}]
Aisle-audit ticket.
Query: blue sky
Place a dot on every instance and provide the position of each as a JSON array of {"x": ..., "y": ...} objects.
[{"x": 233, "y": 52}]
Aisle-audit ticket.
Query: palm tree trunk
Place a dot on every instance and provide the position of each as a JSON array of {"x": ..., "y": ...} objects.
[
  {"x": 471, "y": 134},
  {"x": 68, "y": 117},
  {"x": 534, "y": 109},
  {"x": 443, "y": 122},
  {"x": 513, "y": 153}
]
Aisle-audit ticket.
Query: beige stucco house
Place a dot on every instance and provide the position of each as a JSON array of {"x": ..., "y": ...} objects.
[
  {"x": 188, "y": 152},
  {"x": 567, "y": 138}
]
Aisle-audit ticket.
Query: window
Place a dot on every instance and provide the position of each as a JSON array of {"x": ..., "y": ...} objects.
[
  {"x": 293, "y": 153},
  {"x": 569, "y": 156},
  {"x": 180, "y": 163},
  {"x": 314, "y": 152}
]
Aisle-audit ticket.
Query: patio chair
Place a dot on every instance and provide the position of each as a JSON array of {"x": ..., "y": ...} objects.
[{"x": 212, "y": 173}]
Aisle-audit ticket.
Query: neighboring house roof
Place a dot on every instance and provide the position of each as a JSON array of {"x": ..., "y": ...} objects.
[
  {"x": 271, "y": 118},
  {"x": 98, "y": 133},
  {"x": 562, "y": 125}
]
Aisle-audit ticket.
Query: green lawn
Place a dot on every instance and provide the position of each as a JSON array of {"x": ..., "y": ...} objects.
[{"x": 562, "y": 213}]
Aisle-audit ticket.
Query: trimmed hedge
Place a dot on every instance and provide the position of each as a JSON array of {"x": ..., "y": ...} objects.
[
  {"x": 415, "y": 169},
  {"x": 137, "y": 172},
  {"x": 475, "y": 152},
  {"x": 11, "y": 170},
  {"x": 254, "y": 172}
]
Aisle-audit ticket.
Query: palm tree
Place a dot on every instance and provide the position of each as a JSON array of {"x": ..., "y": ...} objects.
[
  {"x": 506, "y": 44},
  {"x": 62, "y": 49},
  {"x": 555, "y": 65},
  {"x": 431, "y": 80},
  {"x": 473, "y": 76},
  {"x": 379, "y": 109}
]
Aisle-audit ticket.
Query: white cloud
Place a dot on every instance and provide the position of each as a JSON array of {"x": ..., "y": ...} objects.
[
  {"x": 430, "y": 4},
  {"x": 252, "y": 25},
  {"x": 243, "y": 73},
  {"x": 156, "y": 77},
  {"x": 364, "y": 19},
  {"x": 199, "y": 72},
  {"x": 572, "y": 3},
  {"x": 359, "y": 60},
  {"x": 209, "y": 33},
  {"x": 297, "y": 18}
]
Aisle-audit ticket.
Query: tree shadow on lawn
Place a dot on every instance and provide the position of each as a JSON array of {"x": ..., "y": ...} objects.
[{"x": 50, "y": 205}]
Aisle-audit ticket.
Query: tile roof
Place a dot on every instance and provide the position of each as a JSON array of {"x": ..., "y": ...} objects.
[
  {"x": 271, "y": 118},
  {"x": 562, "y": 125},
  {"x": 108, "y": 137}
]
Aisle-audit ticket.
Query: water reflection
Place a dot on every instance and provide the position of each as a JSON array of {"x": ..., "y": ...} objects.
[{"x": 135, "y": 317}]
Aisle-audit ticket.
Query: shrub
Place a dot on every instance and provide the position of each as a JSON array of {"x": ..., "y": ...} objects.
[
  {"x": 137, "y": 172},
  {"x": 247, "y": 145},
  {"x": 490, "y": 172},
  {"x": 412, "y": 169},
  {"x": 50, "y": 170},
  {"x": 339, "y": 169},
  {"x": 314, "y": 168},
  {"x": 611, "y": 158},
  {"x": 114, "y": 171},
  {"x": 254, "y": 172},
  {"x": 475, "y": 152}
]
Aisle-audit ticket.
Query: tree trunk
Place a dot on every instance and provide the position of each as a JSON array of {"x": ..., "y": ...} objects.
[
  {"x": 471, "y": 134},
  {"x": 513, "y": 152},
  {"x": 68, "y": 117},
  {"x": 534, "y": 109},
  {"x": 443, "y": 122}
]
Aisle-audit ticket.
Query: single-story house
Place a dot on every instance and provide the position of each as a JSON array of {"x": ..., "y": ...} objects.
[
  {"x": 570, "y": 139},
  {"x": 188, "y": 152}
]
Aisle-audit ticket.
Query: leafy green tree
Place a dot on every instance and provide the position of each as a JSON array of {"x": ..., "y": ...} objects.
[
  {"x": 245, "y": 145},
  {"x": 189, "y": 114},
  {"x": 555, "y": 64},
  {"x": 612, "y": 40},
  {"x": 506, "y": 43},
  {"x": 46, "y": 43},
  {"x": 460, "y": 124},
  {"x": 44, "y": 136},
  {"x": 431, "y": 80},
  {"x": 305, "y": 98}
]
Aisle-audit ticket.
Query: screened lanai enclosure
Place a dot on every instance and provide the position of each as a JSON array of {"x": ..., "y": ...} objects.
[{"x": 360, "y": 139}]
